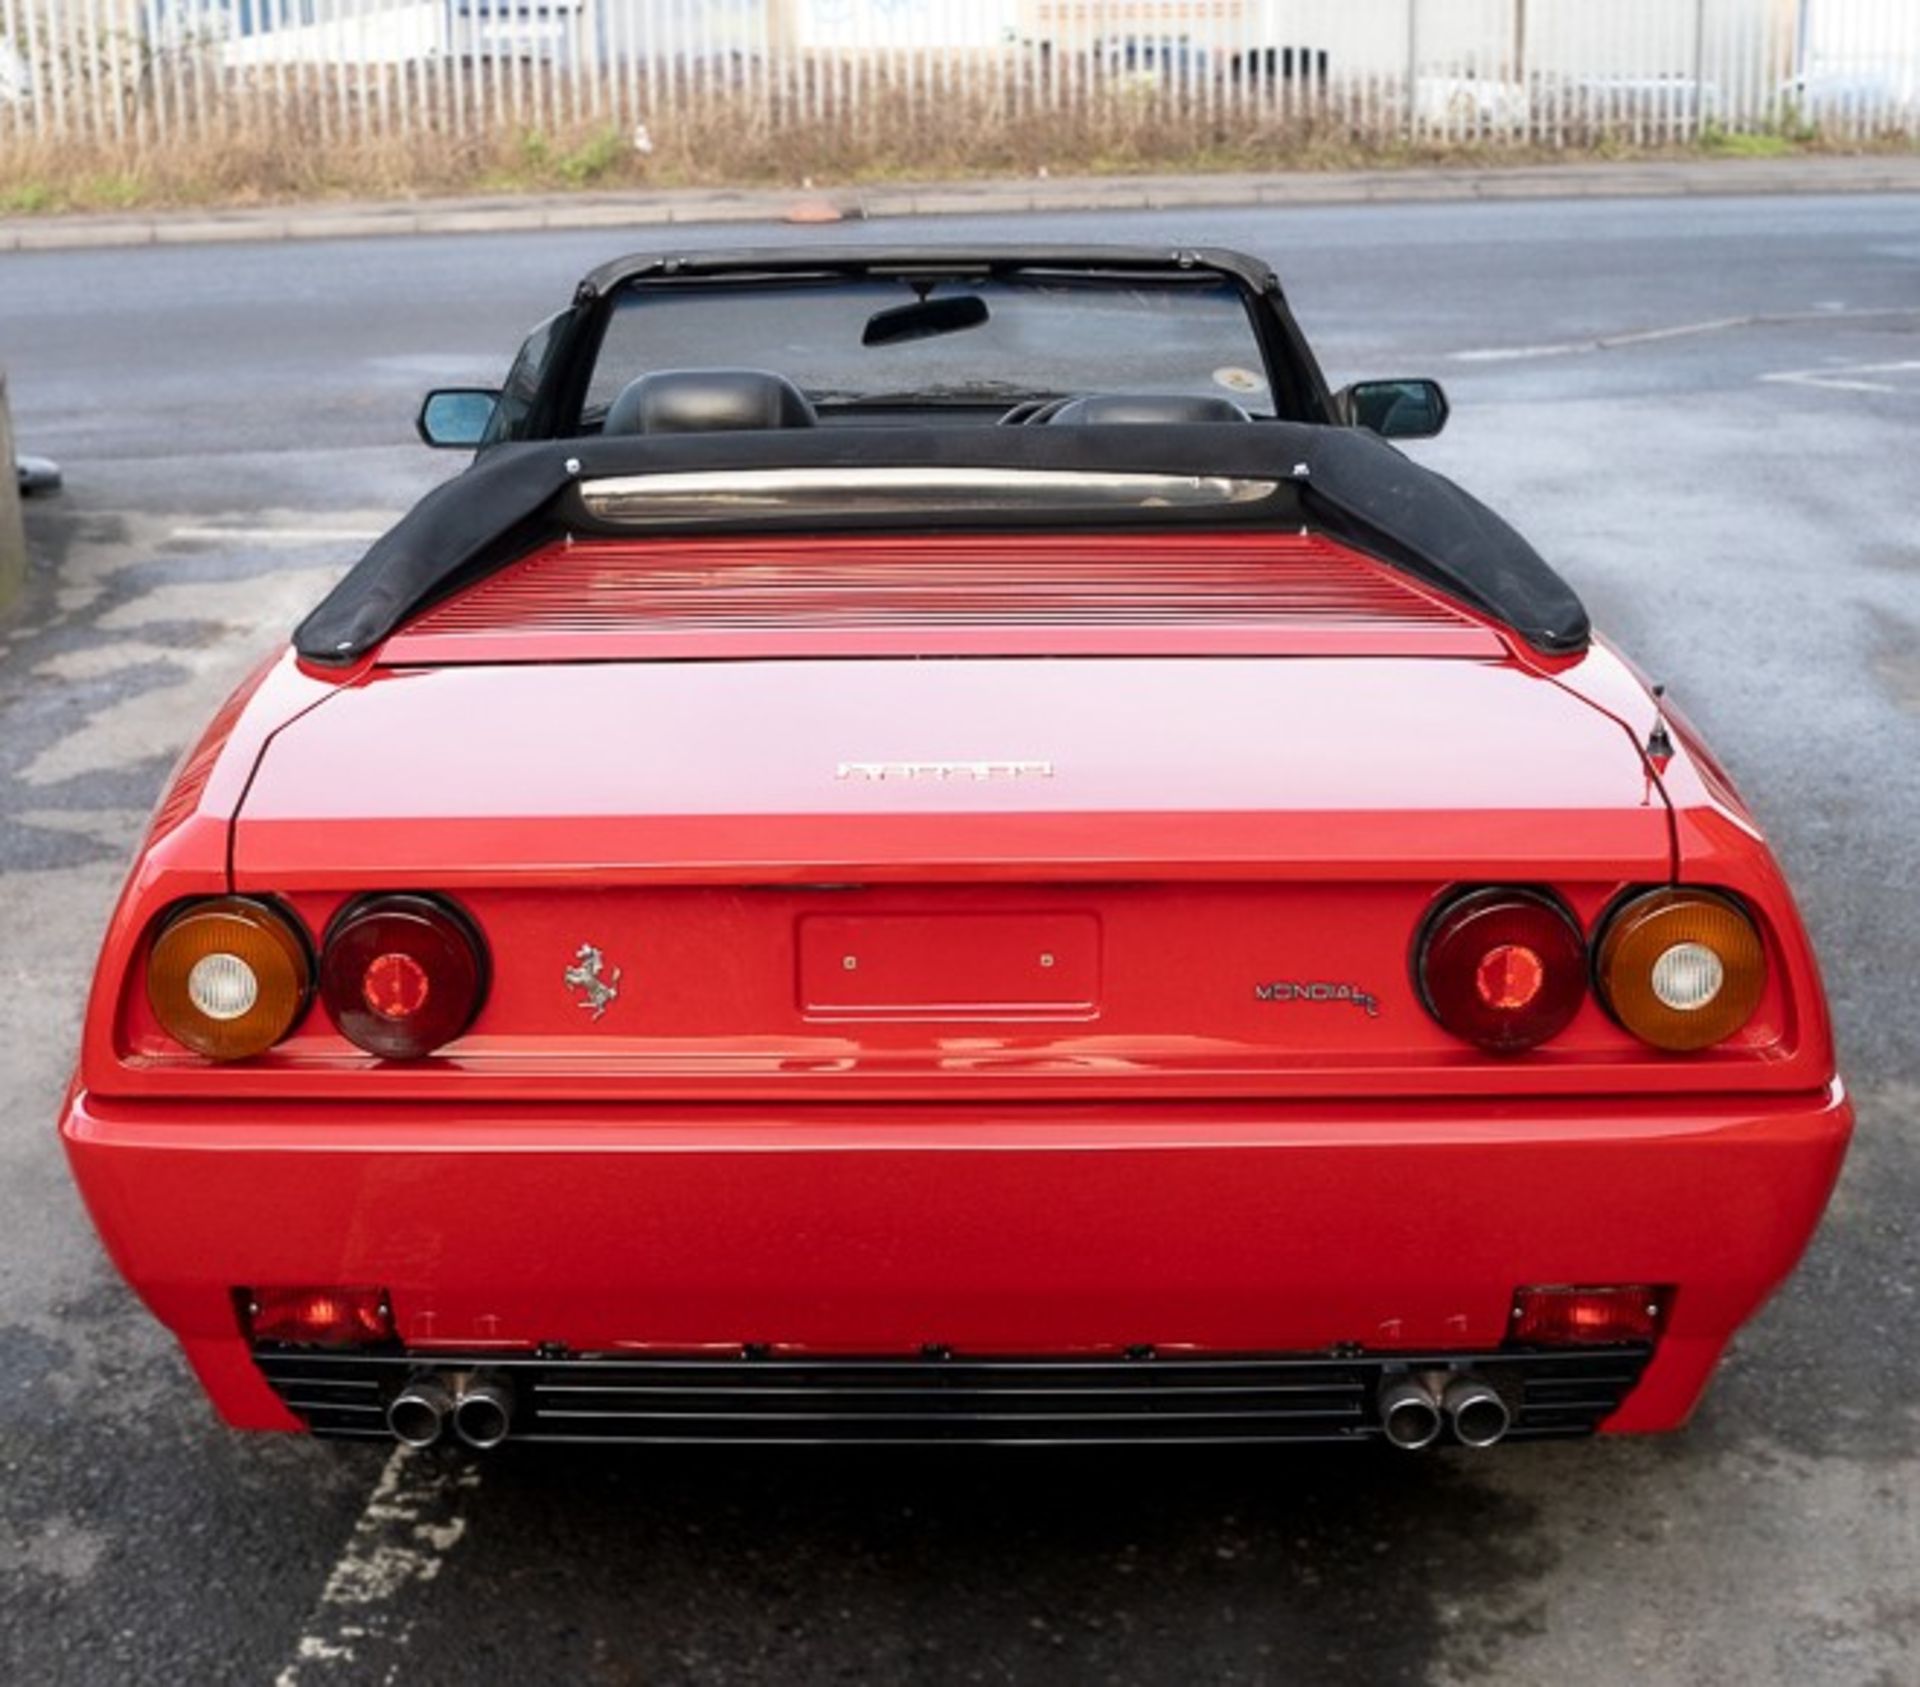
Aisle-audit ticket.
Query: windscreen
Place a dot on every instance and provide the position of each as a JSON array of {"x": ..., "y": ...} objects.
[{"x": 975, "y": 341}]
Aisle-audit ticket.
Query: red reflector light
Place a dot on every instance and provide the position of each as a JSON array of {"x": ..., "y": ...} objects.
[
  {"x": 1588, "y": 1317},
  {"x": 1510, "y": 976},
  {"x": 1504, "y": 969},
  {"x": 402, "y": 975},
  {"x": 319, "y": 1317},
  {"x": 395, "y": 985}
]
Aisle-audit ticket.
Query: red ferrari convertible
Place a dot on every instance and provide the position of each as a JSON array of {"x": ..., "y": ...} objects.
[{"x": 946, "y": 846}]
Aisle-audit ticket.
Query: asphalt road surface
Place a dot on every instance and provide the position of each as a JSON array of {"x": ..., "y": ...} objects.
[{"x": 1708, "y": 413}]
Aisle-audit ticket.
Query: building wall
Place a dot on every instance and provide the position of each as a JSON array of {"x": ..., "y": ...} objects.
[
  {"x": 1858, "y": 35},
  {"x": 1482, "y": 38}
]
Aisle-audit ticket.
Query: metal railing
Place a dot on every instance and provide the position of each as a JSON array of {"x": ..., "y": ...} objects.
[{"x": 1544, "y": 72}]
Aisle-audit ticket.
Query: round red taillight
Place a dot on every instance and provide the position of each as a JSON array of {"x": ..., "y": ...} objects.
[
  {"x": 1504, "y": 969},
  {"x": 402, "y": 975}
]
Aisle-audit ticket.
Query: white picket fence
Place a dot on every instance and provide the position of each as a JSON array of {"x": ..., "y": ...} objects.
[{"x": 1546, "y": 71}]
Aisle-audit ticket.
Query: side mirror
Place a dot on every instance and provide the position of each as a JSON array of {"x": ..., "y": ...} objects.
[
  {"x": 456, "y": 418},
  {"x": 1410, "y": 409}
]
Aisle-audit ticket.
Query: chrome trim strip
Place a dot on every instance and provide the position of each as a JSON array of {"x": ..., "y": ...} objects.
[{"x": 641, "y": 499}]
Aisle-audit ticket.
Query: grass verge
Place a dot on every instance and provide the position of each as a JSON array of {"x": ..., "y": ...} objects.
[{"x": 291, "y": 149}]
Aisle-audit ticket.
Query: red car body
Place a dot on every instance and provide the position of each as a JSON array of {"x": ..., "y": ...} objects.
[{"x": 1048, "y": 1004}]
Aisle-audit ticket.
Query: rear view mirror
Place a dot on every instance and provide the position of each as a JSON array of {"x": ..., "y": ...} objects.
[
  {"x": 1409, "y": 409},
  {"x": 925, "y": 319},
  {"x": 456, "y": 418}
]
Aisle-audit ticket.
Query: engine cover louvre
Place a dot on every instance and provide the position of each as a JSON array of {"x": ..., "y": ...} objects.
[{"x": 1266, "y": 593}]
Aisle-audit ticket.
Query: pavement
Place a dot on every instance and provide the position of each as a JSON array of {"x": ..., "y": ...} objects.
[
  {"x": 1706, "y": 411},
  {"x": 1892, "y": 172}
]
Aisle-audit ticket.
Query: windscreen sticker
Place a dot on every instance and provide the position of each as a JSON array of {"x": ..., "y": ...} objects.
[{"x": 1238, "y": 380}]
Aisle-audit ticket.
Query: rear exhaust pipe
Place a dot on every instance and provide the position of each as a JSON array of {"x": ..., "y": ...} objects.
[
  {"x": 1477, "y": 1411},
  {"x": 1409, "y": 1413},
  {"x": 418, "y": 1413},
  {"x": 483, "y": 1411}
]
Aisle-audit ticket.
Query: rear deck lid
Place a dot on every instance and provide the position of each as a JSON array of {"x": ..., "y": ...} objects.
[{"x": 1070, "y": 768}]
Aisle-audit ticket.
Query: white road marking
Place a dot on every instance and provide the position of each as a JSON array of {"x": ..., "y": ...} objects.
[
  {"x": 276, "y": 535},
  {"x": 1606, "y": 342},
  {"x": 1847, "y": 378},
  {"x": 1679, "y": 331},
  {"x": 1522, "y": 354},
  {"x": 412, "y": 1520}
]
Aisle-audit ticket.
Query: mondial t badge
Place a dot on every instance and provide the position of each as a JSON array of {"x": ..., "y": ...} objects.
[
  {"x": 585, "y": 975},
  {"x": 1282, "y": 991}
]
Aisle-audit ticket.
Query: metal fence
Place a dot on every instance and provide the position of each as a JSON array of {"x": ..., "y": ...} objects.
[{"x": 1552, "y": 72}]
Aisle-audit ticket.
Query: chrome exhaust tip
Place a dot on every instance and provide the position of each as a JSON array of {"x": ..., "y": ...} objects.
[
  {"x": 1477, "y": 1410},
  {"x": 1409, "y": 1413},
  {"x": 483, "y": 1411},
  {"x": 418, "y": 1413}
]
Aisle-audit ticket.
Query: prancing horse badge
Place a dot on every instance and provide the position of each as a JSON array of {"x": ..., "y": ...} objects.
[{"x": 585, "y": 975}]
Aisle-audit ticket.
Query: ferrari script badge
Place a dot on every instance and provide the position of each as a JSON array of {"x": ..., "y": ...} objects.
[
  {"x": 597, "y": 990},
  {"x": 943, "y": 772}
]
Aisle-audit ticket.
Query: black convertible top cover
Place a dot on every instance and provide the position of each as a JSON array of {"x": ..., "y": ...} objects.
[{"x": 1345, "y": 481}]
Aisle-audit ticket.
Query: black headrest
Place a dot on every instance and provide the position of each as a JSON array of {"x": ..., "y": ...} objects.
[
  {"x": 1107, "y": 408},
  {"x": 707, "y": 401}
]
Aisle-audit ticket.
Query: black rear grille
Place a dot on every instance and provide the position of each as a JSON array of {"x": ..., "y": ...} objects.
[{"x": 918, "y": 1401}]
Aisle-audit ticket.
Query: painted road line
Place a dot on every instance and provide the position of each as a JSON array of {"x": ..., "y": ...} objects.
[
  {"x": 1850, "y": 377},
  {"x": 1678, "y": 331},
  {"x": 360, "y": 1626},
  {"x": 1609, "y": 342},
  {"x": 277, "y": 535}
]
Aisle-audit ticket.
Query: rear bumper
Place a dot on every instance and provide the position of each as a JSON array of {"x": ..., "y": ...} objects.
[
  {"x": 1125, "y": 1400},
  {"x": 1011, "y": 1230}
]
